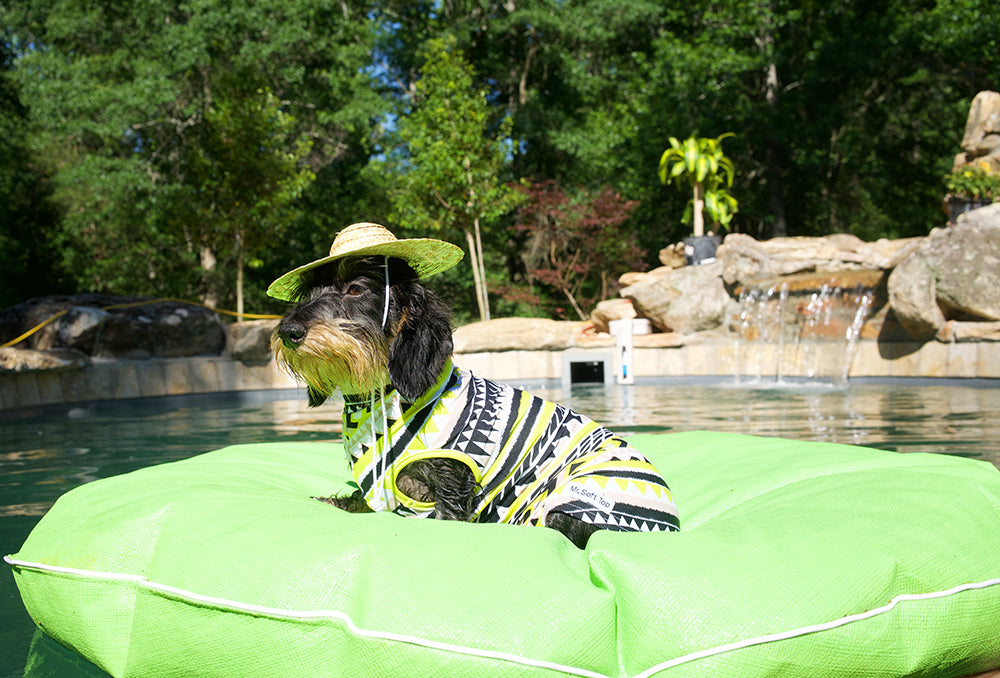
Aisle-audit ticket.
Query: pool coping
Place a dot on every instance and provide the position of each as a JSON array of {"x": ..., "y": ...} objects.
[{"x": 720, "y": 360}]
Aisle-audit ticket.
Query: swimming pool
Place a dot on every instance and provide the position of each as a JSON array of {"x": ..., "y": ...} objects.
[{"x": 45, "y": 453}]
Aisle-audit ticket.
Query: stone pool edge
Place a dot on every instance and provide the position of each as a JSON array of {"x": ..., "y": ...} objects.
[{"x": 155, "y": 377}]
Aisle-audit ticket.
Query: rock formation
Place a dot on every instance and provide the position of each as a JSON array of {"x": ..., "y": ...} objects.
[
  {"x": 981, "y": 142},
  {"x": 106, "y": 326},
  {"x": 689, "y": 299},
  {"x": 250, "y": 340},
  {"x": 954, "y": 274},
  {"x": 506, "y": 334}
]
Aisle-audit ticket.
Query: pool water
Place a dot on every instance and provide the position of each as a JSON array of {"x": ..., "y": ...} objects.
[{"x": 43, "y": 454}]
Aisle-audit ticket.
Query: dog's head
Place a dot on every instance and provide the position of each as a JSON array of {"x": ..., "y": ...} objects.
[{"x": 335, "y": 337}]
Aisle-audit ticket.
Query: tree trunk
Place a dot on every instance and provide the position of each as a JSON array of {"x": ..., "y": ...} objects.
[
  {"x": 574, "y": 304},
  {"x": 208, "y": 264},
  {"x": 699, "y": 206},
  {"x": 474, "y": 260},
  {"x": 482, "y": 272},
  {"x": 239, "y": 284},
  {"x": 776, "y": 197},
  {"x": 476, "y": 247}
]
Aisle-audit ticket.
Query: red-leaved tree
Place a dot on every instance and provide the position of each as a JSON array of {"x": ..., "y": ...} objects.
[{"x": 575, "y": 247}]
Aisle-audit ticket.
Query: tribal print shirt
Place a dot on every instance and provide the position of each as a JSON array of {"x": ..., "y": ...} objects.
[{"x": 528, "y": 455}]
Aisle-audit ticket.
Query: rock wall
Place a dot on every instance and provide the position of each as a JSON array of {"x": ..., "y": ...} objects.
[
  {"x": 87, "y": 327},
  {"x": 945, "y": 286}
]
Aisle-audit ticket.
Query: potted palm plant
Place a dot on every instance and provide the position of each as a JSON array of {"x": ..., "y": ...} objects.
[{"x": 699, "y": 164}]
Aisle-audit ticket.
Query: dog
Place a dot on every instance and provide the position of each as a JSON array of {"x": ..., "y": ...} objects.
[{"x": 425, "y": 438}]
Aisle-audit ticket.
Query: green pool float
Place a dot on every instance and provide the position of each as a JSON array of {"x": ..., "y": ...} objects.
[{"x": 794, "y": 559}]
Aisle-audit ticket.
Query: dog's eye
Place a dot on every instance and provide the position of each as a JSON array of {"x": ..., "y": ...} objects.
[{"x": 354, "y": 289}]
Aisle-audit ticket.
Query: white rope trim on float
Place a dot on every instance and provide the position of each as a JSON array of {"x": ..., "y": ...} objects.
[
  {"x": 816, "y": 628},
  {"x": 261, "y": 610},
  {"x": 182, "y": 594}
]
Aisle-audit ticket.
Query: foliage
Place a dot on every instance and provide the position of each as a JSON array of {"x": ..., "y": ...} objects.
[
  {"x": 26, "y": 213},
  {"x": 721, "y": 206},
  {"x": 180, "y": 133},
  {"x": 574, "y": 246},
  {"x": 699, "y": 163},
  {"x": 448, "y": 177},
  {"x": 848, "y": 114},
  {"x": 975, "y": 182},
  {"x": 244, "y": 210}
]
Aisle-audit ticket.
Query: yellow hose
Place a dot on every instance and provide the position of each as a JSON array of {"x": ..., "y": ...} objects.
[{"x": 252, "y": 316}]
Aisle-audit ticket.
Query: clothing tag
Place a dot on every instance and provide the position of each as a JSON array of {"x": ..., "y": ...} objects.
[{"x": 590, "y": 496}]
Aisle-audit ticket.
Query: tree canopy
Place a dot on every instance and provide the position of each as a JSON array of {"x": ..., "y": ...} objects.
[
  {"x": 449, "y": 172},
  {"x": 143, "y": 142}
]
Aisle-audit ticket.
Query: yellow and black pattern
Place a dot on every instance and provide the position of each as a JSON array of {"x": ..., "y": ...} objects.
[{"x": 530, "y": 456}]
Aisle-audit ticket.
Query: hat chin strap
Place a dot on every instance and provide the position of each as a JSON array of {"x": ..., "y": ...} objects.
[
  {"x": 385, "y": 424},
  {"x": 385, "y": 307}
]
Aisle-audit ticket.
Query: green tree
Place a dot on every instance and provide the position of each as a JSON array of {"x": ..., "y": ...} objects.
[
  {"x": 25, "y": 209},
  {"x": 242, "y": 178},
  {"x": 449, "y": 174},
  {"x": 178, "y": 133},
  {"x": 847, "y": 112}
]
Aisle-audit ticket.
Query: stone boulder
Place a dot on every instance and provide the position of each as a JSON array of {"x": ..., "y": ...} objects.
[
  {"x": 250, "y": 340},
  {"x": 636, "y": 277},
  {"x": 513, "y": 334},
  {"x": 18, "y": 319},
  {"x": 744, "y": 259},
  {"x": 690, "y": 299},
  {"x": 673, "y": 256},
  {"x": 116, "y": 327},
  {"x": 953, "y": 275},
  {"x": 913, "y": 297},
  {"x": 610, "y": 310},
  {"x": 31, "y": 360},
  {"x": 981, "y": 141},
  {"x": 956, "y": 331},
  {"x": 80, "y": 329},
  {"x": 968, "y": 265}
]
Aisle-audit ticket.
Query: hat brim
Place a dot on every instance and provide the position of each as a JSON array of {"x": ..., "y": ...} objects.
[{"x": 425, "y": 256}]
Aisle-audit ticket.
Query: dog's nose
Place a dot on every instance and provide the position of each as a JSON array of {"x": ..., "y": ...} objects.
[{"x": 292, "y": 333}]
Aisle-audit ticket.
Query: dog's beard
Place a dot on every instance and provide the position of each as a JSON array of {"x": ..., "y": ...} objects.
[{"x": 336, "y": 354}]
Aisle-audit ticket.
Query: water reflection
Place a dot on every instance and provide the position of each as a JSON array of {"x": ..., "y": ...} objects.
[{"x": 962, "y": 420}]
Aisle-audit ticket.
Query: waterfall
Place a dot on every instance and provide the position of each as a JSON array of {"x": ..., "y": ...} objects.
[{"x": 805, "y": 327}]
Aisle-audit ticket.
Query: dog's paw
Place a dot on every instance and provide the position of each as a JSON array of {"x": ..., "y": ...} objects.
[{"x": 353, "y": 503}]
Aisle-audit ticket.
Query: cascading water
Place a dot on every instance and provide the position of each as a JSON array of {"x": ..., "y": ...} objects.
[{"x": 801, "y": 328}]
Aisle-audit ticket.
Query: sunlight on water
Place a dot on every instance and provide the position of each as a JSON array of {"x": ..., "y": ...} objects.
[{"x": 955, "y": 420}]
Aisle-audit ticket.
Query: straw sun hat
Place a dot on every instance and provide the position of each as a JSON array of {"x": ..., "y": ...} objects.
[{"x": 425, "y": 256}]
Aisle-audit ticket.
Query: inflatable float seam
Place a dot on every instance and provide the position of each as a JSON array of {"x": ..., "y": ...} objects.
[
  {"x": 264, "y": 611},
  {"x": 816, "y": 628},
  {"x": 260, "y": 610}
]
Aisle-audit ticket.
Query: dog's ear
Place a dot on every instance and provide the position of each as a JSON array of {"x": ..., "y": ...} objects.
[
  {"x": 316, "y": 398},
  {"x": 422, "y": 342}
]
